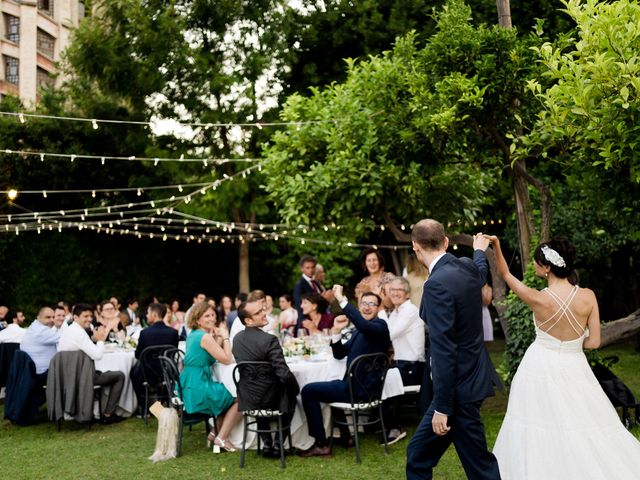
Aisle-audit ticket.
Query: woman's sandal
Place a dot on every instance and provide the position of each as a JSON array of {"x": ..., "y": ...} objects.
[
  {"x": 211, "y": 437},
  {"x": 225, "y": 445}
]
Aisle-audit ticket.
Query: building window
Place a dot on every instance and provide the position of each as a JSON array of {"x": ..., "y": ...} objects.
[
  {"x": 46, "y": 43},
  {"x": 46, "y": 6},
  {"x": 12, "y": 28},
  {"x": 44, "y": 78},
  {"x": 11, "y": 70}
]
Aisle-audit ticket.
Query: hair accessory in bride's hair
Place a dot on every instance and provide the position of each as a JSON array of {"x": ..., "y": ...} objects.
[{"x": 553, "y": 256}]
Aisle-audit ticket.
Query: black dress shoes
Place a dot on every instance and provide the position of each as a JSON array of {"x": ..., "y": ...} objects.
[{"x": 316, "y": 451}]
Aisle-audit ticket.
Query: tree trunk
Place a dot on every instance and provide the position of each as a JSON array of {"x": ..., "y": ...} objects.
[
  {"x": 243, "y": 265},
  {"x": 616, "y": 330},
  {"x": 523, "y": 213},
  {"x": 504, "y": 13}
]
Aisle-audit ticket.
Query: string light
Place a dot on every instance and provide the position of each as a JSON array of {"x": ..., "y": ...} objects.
[
  {"x": 129, "y": 158},
  {"x": 12, "y": 194},
  {"x": 258, "y": 125}
]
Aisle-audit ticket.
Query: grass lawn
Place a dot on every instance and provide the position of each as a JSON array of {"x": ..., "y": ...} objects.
[{"x": 121, "y": 450}]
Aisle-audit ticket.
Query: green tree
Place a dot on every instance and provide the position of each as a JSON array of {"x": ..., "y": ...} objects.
[{"x": 426, "y": 123}]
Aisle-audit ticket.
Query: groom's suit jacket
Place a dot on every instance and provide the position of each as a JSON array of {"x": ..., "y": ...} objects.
[{"x": 461, "y": 371}]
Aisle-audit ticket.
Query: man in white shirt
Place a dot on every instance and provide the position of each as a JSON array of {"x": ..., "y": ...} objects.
[
  {"x": 40, "y": 340},
  {"x": 76, "y": 338},
  {"x": 407, "y": 332},
  {"x": 14, "y": 332}
]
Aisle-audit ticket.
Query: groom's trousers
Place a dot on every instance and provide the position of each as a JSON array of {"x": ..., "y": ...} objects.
[{"x": 467, "y": 435}]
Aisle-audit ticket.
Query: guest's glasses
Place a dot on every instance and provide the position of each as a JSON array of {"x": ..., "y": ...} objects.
[{"x": 368, "y": 304}]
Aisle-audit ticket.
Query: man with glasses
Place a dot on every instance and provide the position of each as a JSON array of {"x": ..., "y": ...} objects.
[
  {"x": 276, "y": 389},
  {"x": 371, "y": 335}
]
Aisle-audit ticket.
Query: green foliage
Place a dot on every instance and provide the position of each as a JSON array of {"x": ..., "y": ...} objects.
[
  {"x": 521, "y": 326},
  {"x": 590, "y": 113},
  {"x": 418, "y": 123}
]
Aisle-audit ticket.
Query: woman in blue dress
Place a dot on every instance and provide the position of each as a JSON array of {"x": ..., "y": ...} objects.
[{"x": 206, "y": 344}]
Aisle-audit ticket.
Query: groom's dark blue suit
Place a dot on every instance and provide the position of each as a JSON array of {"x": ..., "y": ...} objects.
[{"x": 461, "y": 372}]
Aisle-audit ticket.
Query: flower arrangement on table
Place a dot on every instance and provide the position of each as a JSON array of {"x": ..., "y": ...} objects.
[
  {"x": 130, "y": 342},
  {"x": 297, "y": 346}
]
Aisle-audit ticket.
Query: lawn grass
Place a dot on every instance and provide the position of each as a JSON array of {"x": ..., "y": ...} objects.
[{"x": 121, "y": 450}]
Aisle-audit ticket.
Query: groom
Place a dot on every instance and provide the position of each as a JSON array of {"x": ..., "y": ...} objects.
[{"x": 461, "y": 375}]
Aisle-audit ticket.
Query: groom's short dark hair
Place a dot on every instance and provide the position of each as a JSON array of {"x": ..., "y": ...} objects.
[{"x": 429, "y": 234}]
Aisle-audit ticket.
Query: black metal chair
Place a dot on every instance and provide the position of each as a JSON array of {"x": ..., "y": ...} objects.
[
  {"x": 155, "y": 388},
  {"x": 365, "y": 376},
  {"x": 171, "y": 375},
  {"x": 246, "y": 372},
  {"x": 6, "y": 357}
]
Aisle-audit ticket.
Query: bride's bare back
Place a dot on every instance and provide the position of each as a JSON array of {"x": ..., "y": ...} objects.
[{"x": 563, "y": 311}]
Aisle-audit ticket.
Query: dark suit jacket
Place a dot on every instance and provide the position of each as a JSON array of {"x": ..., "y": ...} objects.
[
  {"x": 370, "y": 336},
  {"x": 301, "y": 287},
  {"x": 277, "y": 387},
  {"x": 451, "y": 305},
  {"x": 156, "y": 334}
]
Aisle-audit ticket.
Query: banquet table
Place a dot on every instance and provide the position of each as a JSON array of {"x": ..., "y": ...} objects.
[
  {"x": 120, "y": 360},
  {"x": 318, "y": 368}
]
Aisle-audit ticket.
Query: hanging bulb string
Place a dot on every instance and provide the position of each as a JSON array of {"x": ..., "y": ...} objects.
[
  {"x": 131, "y": 158},
  {"x": 95, "y": 122}
]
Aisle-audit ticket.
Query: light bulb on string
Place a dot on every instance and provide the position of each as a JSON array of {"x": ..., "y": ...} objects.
[
  {"x": 44, "y": 193},
  {"x": 94, "y": 124},
  {"x": 42, "y": 157},
  {"x": 155, "y": 162},
  {"x": 21, "y": 117},
  {"x": 102, "y": 160},
  {"x": 72, "y": 158},
  {"x": 12, "y": 194}
]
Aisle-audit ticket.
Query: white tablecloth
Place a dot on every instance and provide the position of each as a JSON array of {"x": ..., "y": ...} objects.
[
  {"x": 120, "y": 360},
  {"x": 322, "y": 370}
]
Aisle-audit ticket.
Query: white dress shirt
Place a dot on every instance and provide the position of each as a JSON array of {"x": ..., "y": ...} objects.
[
  {"x": 434, "y": 261},
  {"x": 75, "y": 338},
  {"x": 13, "y": 333},
  {"x": 40, "y": 343},
  {"x": 406, "y": 330}
]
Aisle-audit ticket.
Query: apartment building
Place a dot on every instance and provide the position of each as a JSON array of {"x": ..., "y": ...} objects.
[{"x": 33, "y": 33}]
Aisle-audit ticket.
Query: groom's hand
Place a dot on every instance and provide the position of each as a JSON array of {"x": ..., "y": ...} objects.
[{"x": 439, "y": 424}]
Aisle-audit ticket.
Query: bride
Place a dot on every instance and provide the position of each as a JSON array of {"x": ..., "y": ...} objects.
[{"x": 559, "y": 423}]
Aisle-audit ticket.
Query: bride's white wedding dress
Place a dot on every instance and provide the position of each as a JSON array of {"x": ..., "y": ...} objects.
[{"x": 559, "y": 422}]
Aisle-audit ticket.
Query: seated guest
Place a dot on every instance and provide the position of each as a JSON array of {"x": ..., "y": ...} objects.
[
  {"x": 40, "y": 340},
  {"x": 157, "y": 333},
  {"x": 207, "y": 344},
  {"x": 288, "y": 315},
  {"x": 316, "y": 317},
  {"x": 277, "y": 391},
  {"x": 109, "y": 318},
  {"x": 370, "y": 336},
  {"x": 13, "y": 332},
  {"x": 237, "y": 326},
  {"x": 407, "y": 331},
  {"x": 75, "y": 337}
]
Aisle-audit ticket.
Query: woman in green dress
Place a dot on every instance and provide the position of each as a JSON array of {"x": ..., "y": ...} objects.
[{"x": 206, "y": 344}]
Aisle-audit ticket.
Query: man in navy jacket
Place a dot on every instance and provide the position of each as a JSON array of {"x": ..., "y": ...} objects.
[
  {"x": 156, "y": 334},
  {"x": 370, "y": 336},
  {"x": 461, "y": 373}
]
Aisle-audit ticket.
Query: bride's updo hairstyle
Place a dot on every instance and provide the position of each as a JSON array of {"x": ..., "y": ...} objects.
[{"x": 558, "y": 254}]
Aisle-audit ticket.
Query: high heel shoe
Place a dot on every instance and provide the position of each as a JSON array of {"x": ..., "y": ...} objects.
[
  {"x": 225, "y": 445},
  {"x": 211, "y": 437}
]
